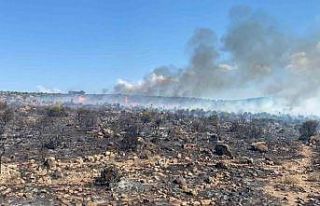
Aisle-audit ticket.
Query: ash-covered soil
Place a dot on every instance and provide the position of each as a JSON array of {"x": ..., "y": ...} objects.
[{"x": 118, "y": 156}]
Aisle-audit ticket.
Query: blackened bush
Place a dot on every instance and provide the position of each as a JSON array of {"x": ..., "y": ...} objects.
[
  {"x": 214, "y": 119},
  {"x": 3, "y": 105},
  {"x": 146, "y": 117},
  {"x": 308, "y": 129},
  {"x": 108, "y": 176},
  {"x": 56, "y": 111},
  {"x": 247, "y": 130},
  {"x": 53, "y": 143},
  {"x": 129, "y": 143},
  {"x": 87, "y": 119}
]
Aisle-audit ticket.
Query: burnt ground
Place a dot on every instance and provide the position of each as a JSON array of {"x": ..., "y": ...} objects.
[{"x": 117, "y": 156}]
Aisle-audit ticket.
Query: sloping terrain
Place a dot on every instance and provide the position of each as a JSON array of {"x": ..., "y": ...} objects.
[{"x": 120, "y": 156}]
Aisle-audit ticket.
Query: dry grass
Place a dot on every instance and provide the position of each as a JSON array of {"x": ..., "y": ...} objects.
[
  {"x": 292, "y": 180},
  {"x": 314, "y": 177}
]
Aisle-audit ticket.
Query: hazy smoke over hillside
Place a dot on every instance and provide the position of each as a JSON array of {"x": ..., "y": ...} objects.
[{"x": 259, "y": 59}]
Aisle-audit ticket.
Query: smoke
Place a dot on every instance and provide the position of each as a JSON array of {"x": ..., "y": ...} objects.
[
  {"x": 44, "y": 89},
  {"x": 257, "y": 59}
]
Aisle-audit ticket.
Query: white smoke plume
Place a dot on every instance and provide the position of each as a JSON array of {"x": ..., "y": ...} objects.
[
  {"x": 263, "y": 60},
  {"x": 44, "y": 89}
]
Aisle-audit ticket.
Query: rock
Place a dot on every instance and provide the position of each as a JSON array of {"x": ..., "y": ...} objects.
[
  {"x": 7, "y": 191},
  {"x": 196, "y": 203},
  {"x": 146, "y": 154},
  {"x": 221, "y": 165},
  {"x": 260, "y": 147},
  {"x": 189, "y": 146},
  {"x": 209, "y": 180},
  {"x": 45, "y": 180},
  {"x": 174, "y": 202},
  {"x": 205, "y": 202},
  {"x": 189, "y": 191},
  {"x": 50, "y": 162},
  {"x": 213, "y": 138},
  {"x": 246, "y": 160},
  {"x": 90, "y": 203},
  {"x": 96, "y": 158},
  {"x": 188, "y": 159},
  {"x": 314, "y": 140},
  {"x": 89, "y": 159},
  {"x": 127, "y": 185},
  {"x": 57, "y": 174},
  {"x": 223, "y": 149},
  {"x": 181, "y": 182},
  {"x": 79, "y": 161}
]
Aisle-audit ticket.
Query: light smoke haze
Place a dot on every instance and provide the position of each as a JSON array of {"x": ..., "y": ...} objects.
[{"x": 254, "y": 58}]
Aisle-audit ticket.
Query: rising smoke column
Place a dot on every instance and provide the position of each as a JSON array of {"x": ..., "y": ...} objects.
[
  {"x": 202, "y": 77},
  {"x": 264, "y": 61}
]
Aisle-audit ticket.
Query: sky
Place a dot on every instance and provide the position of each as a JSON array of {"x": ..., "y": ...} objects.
[{"x": 61, "y": 45}]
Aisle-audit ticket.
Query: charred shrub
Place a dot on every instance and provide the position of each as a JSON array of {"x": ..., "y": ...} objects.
[
  {"x": 50, "y": 145},
  {"x": 6, "y": 113},
  {"x": 5, "y": 116},
  {"x": 146, "y": 117},
  {"x": 108, "y": 176},
  {"x": 130, "y": 141},
  {"x": 247, "y": 130},
  {"x": 214, "y": 119},
  {"x": 308, "y": 129},
  {"x": 256, "y": 131},
  {"x": 223, "y": 149},
  {"x": 3, "y": 105},
  {"x": 87, "y": 119},
  {"x": 53, "y": 143},
  {"x": 198, "y": 126},
  {"x": 56, "y": 111}
]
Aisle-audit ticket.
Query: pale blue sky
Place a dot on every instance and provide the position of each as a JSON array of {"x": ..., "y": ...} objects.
[{"x": 89, "y": 44}]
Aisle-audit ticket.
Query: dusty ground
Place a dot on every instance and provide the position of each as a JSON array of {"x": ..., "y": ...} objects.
[{"x": 174, "y": 163}]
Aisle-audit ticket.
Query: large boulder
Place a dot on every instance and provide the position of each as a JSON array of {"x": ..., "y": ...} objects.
[{"x": 260, "y": 147}]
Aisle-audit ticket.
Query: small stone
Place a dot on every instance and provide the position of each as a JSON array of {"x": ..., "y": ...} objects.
[
  {"x": 221, "y": 165},
  {"x": 79, "y": 161},
  {"x": 187, "y": 159},
  {"x": 181, "y": 182},
  {"x": 7, "y": 191},
  {"x": 205, "y": 202},
  {"x": 146, "y": 154},
  {"x": 89, "y": 159},
  {"x": 57, "y": 174},
  {"x": 189, "y": 191},
  {"x": 50, "y": 162},
  {"x": 196, "y": 203},
  {"x": 246, "y": 160},
  {"x": 208, "y": 180},
  {"x": 174, "y": 202}
]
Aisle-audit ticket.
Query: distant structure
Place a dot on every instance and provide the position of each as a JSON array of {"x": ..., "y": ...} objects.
[{"x": 77, "y": 92}]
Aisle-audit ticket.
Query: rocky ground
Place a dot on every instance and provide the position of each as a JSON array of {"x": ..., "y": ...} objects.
[{"x": 118, "y": 156}]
